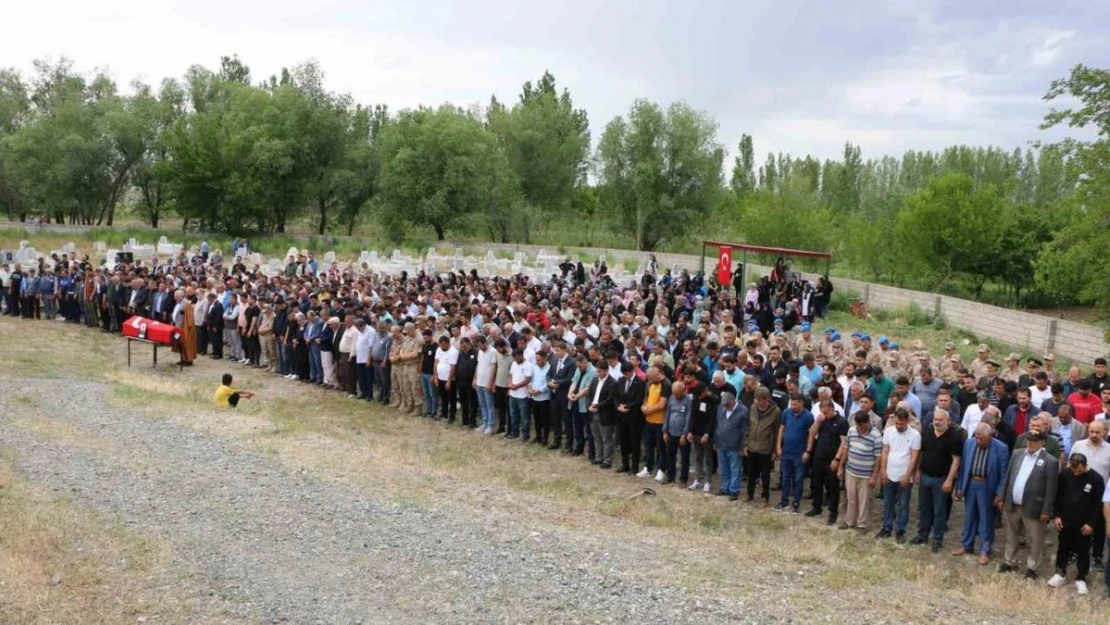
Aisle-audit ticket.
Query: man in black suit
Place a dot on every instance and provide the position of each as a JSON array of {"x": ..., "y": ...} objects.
[
  {"x": 562, "y": 374},
  {"x": 630, "y": 418},
  {"x": 603, "y": 414},
  {"x": 214, "y": 322}
]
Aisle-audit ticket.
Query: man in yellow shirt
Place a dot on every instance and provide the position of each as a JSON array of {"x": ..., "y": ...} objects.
[{"x": 227, "y": 397}]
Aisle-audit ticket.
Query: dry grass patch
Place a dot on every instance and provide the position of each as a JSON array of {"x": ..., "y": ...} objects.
[{"x": 62, "y": 564}]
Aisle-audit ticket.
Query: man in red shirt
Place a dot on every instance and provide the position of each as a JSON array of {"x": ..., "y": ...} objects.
[
  {"x": 1018, "y": 415},
  {"x": 1085, "y": 403}
]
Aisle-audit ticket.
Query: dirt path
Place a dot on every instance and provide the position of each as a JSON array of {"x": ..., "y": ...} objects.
[{"x": 288, "y": 547}]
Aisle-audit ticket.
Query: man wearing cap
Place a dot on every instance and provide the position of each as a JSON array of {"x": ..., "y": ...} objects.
[
  {"x": 978, "y": 367},
  {"x": 982, "y": 480},
  {"x": 1030, "y": 494},
  {"x": 806, "y": 342},
  {"x": 1032, "y": 368},
  {"x": 1050, "y": 369},
  {"x": 1079, "y": 497},
  {"x": 1013, "y": 370}
]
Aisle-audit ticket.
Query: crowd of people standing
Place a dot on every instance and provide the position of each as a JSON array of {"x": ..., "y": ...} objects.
[{"x": 669, "y": 379}]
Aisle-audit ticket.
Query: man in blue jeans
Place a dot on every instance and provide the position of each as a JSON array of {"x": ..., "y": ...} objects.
[
  {"x": 901, "y": 451},
  {"x": 792, "y": 440},
  {"x": 428, "y": 376},
  {"x": 728, "y": 430},
  {"x": 941, "y": 450}
]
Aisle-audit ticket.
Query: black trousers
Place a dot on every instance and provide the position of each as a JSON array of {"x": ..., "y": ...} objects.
[
  {"x": 468, "y": 401},
  {"x": 217, "y": 342},
  {"x": 1098, "y": 538},
  {"x": 1073, "y": 541},
  {"x": 560, "y": 419},
  {"x": 674, "y": 452},
  {"x": 448, "y": 407},
  {"x": 501, "y": 404},
  {"x": 758, "y": 467},
  {"x": 253, "y": 347},
  {"x": 541, "y": 419},
  {"x": 825, "y": 484},
  {"x": 202, "y": 340},
  {"x": 630, "y": 433}
]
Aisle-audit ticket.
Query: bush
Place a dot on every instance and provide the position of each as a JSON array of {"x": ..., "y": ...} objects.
[
  {"x": 842, "y": 299},
  {"x": 915, "y": 316}
]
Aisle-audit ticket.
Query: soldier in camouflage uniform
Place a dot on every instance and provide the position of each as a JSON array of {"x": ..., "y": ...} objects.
[
  {"x": 978, "y": 367},
  {"x": 396, "y": 382},
  {"x": 413, "y": 400},
  {"x": 1013, "y": 370}
]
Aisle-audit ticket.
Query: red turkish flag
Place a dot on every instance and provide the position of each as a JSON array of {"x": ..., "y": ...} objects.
[{"x": 724, "y": 265}]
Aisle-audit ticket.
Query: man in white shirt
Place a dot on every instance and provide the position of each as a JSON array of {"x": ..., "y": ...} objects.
[
  {"x": 483, "y": 385},
  {"x": 974, "y": 413},
  {"x": 520, "y": 379},
  {"x": 901, "y": 450},
  {"x": 446, "y": 359},
  {"x": 1097, "y": 451},
  {"x": 1040, "y": 391},
  {"x": 540, "y": 393},
  {"x": 364, "y": 346}
]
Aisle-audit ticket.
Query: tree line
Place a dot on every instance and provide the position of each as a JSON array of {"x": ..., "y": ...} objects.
[{"x": 225, "y": 152}]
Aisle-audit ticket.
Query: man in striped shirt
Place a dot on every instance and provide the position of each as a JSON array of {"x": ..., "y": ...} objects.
[{"x": 858, "y": 465}]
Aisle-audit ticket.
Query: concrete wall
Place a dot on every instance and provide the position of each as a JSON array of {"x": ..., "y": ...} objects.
[{"x": 1035, "y": 334}]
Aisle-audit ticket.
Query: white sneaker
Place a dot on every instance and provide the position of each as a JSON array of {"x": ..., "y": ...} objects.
[
  {"x": 295, "y": 377},
  {"x": 706, "y": 489},
  {"x": 660, "y": 476},
  {"x": 1081, "y": 587},
  {"x": 694, "y": 486},
  {"x": 1057, "y": 580},
  {"x": 644, "y": 473}
]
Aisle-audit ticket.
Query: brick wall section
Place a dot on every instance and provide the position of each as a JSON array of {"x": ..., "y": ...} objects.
[{"x": 1036, "y": 334}]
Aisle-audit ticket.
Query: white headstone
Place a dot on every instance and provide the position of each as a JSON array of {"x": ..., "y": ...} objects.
[
  {"x": 329, "y": 258},
  {"x": 275, "y": 265},
  {"x": 256, "y": 259},
  {"x": 292, "y": 252},
  {"x": 374, "y": 256},
  {"x": 396, "y": 255},
  {"x": 100, "y": 246}
]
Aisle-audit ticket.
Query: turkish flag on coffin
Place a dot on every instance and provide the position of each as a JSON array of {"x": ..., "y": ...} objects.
[
  {"x": 151, "y": 330},
  {"x": 724, "y": 266}
]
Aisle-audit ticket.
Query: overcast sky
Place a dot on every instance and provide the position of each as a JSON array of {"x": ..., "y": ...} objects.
[{"x": 802, "y": 76}]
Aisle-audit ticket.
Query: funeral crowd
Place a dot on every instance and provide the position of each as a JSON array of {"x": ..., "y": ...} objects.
[{"x": 668, "y": 378}]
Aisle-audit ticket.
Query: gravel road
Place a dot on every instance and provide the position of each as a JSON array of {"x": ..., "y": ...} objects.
[{"x": 284, "y": 547}]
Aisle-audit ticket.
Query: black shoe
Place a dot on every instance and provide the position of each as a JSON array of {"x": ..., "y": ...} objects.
[
  {"x": 883, "y": 533},
  {"x": 1004, "y": 568},
  {"x": 734, "y": 497},
  {"x": 721, "y": 493},
  {"x": 1096, "y": 563},
  {"x": 794, "y": 509},
  {"x": 1030, "y": 574},
  {"x": 750, "y": 498},
  {"x": 624, "y": 469},
  {"x": 553, "y": 446},
  {"x": 605, "y": 465},
  {"x": 936, "y": 547},
  {"x": 900, "y": 537},
  {"x": 918, "y": 540},
  {"x": 832, "y": 521},
  {"x": 813, "y": 512}
]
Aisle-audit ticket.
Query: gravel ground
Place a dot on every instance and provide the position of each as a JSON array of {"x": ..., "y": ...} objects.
[{"x": 285, "y": 547}]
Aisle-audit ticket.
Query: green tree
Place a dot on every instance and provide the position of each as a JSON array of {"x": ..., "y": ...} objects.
[
  {"x": 660, "y": 172},
  {"x": 743, "y": 168},
  {"x": 951, "y": 229},
  {"x": 1067, "y": 262},
  {"x": 440, "y": 168},
  {"x": 547, "y": 143}
]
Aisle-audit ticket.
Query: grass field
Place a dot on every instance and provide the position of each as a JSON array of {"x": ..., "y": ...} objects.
[{"x": 710, "y": 545}]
